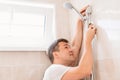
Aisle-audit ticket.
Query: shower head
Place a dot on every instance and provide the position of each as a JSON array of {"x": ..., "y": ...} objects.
[{"x": 68, "y": 5}]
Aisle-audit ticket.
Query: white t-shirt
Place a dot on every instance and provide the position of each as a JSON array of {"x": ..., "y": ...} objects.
[{"x": 55, "y": 72}]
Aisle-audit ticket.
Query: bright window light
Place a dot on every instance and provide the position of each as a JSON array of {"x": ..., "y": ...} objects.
[
  {"x": 25, "y": 27},
  {"x": 5, "y": 16},
  {"x": 28, "y": 18}
]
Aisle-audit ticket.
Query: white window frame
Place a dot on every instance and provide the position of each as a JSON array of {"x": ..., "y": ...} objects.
[{"x": 49, "y": 35}]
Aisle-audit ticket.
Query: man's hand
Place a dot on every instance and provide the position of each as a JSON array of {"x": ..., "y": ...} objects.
[
  {"x": 90, "y": 33},
  {"x": 82, "y": 11}
]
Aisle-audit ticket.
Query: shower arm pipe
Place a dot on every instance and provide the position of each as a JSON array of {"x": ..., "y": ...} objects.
[
  {"x": 68, "y": 5},
  {"x": 81, "y": 16}
]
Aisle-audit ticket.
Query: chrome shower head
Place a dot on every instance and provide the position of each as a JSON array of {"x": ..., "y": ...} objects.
[{"x": 68, "y": 5}]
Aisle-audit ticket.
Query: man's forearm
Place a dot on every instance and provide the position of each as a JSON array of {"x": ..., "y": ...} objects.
[
  {"x": 86, "y": 61},
  {"x": 77, "y": 40}
]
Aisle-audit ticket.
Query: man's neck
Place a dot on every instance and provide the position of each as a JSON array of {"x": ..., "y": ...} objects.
[{"x": 63, "y": 63}]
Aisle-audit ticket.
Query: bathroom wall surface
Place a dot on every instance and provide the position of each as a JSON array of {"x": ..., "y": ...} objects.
[
  {"x": 23, "y": 65},
  {"x": 106, "y": 45}
]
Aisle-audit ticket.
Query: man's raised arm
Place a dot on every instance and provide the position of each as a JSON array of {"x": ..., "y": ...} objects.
[
  {"x": 85, "y": 65},
  {"x": 78, "y": 37}
]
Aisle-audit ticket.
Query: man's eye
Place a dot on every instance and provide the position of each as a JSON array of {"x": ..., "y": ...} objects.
[{"x": 66, "y": 47}]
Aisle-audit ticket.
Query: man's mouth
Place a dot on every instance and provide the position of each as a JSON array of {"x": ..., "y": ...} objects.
[{"x": 71, "y": 54}]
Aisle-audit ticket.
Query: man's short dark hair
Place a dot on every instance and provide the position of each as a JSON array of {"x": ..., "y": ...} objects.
[{"x": 54, "y": 47}]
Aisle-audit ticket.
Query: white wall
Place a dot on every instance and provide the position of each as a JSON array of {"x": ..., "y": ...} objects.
[{"x": 106, "y": 48}]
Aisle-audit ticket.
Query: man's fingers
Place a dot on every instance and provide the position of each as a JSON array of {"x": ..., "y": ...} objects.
[
  {"x": 94, "y": 28},
  {"x": 91, "y": 26},
  {"x": 83, "y": 9},
  {"x": 83, "y": 14}
]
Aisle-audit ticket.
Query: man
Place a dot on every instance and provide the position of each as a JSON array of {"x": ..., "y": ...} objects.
[{"x": 64, "y": 55}]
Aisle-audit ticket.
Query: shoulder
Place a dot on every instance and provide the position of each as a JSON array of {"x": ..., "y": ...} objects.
[
  {"x": 55, "y": 72},
  {"x": 56, "y": 68}
]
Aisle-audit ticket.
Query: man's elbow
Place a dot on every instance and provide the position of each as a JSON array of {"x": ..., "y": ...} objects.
[
  {"x": 88, "y": 72},
  {"x": 85, "y": 74}
]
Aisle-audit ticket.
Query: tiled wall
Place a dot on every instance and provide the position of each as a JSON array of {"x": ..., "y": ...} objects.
[
  {"x": 23, "y": 65},
  {"x": 106, "y": 46}
]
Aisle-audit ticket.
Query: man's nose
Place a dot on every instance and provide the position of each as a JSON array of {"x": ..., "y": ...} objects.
[{"x": 70, "y": 49}]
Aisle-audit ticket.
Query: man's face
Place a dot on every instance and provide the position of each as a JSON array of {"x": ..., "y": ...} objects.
[{"x": 65, "y": 52}]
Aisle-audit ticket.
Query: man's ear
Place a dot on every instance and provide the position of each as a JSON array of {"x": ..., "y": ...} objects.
[{"x": 55, "y": 54}]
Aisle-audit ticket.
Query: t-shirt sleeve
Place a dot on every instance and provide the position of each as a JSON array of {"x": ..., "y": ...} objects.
[{"x": 55, "y": 72}]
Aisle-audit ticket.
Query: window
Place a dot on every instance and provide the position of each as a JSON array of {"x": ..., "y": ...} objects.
[{"x": 25, "y": 26}]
